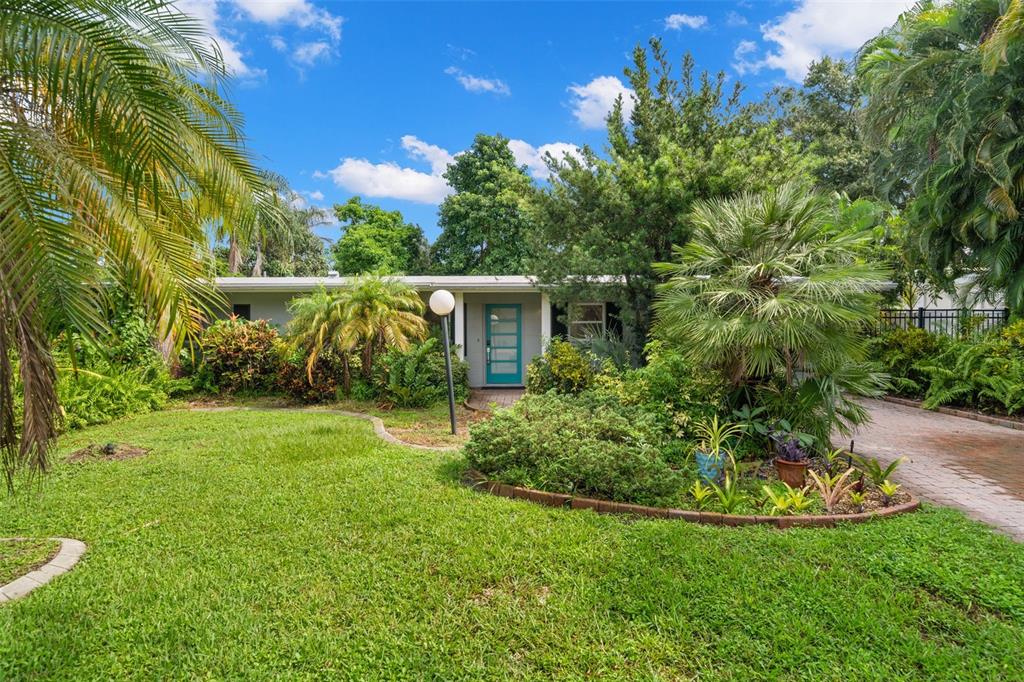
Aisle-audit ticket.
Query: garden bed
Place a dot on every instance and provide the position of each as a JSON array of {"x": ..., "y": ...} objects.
[{"x": 903, "y": 502}]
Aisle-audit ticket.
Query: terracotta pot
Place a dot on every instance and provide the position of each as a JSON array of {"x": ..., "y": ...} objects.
[{"x": 791, "y": 473}]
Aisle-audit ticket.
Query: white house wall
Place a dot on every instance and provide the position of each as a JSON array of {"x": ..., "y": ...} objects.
[{"x": 476, "y": 331}]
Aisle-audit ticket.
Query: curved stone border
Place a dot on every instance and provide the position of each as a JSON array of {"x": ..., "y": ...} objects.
[
  {"x": 378, "y": 423},
  {"x": 479, "y": 482},
  {"x": 70, "y": 552},
  {"x": 954, "y": 412}
]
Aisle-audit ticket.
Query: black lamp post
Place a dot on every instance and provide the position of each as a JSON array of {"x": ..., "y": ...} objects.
[{"x": 442, "y": 303}]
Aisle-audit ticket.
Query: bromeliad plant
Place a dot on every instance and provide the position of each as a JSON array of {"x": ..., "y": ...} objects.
[
  {"x": 875, "y": 471},
  {"x": 888, "y": 489},
  {"x": 701, "y": 494},
  {"x": 833, "y": 488},
  {"x": 729, "y": 494},
  {"x": 713, "y": 447},
  {"x": 857, "y": 499}
]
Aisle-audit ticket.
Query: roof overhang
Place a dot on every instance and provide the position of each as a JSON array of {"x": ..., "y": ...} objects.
[{"x": 460, "y": 283}]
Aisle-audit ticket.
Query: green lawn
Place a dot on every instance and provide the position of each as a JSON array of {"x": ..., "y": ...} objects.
[
  {"x": 263, "y": 545},
  {"x": 18, "y": 557}
]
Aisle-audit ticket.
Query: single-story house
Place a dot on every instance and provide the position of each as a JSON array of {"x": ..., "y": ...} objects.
[{"x": 499, "y": 323}]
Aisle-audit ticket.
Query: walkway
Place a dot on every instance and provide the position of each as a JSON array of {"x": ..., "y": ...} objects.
[
  {"x": 962, "y": 463},
  {"x": 481, "y": 398}
]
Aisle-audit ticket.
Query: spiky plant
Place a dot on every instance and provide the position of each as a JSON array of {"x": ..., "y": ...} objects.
[
  {"x": 117, "y": 150},
  {"x": 774, "y": 290},
  {"x": 380, "y": 313}
]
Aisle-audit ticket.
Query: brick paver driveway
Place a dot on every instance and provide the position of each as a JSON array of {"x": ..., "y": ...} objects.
[{"x": 959, "y": 462}]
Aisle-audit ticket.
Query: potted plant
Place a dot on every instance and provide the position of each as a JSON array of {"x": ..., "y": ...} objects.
[
  {"x": 712, "y": 447},
  {"x": 790, "y": 459}
]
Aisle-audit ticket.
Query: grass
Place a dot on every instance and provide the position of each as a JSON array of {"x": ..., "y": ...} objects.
[
  {"x": 261, "y": 545},
  {"x": 18, "y": 557},
  {"x": 422, "y": 426}
]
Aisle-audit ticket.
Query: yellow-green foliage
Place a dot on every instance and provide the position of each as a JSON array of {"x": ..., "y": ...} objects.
[{"x": 564, "y": 368}]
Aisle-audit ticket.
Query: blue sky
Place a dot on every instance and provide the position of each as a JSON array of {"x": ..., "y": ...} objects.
[{"x": 374, "y": 98}]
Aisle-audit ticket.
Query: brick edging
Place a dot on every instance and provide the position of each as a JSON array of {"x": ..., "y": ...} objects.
[
  {"x": 478, "y": 481},
  {"x": 954, "y": 412},
  {"x": 67, "y": 556},
  {"x": 378, "y": 423}
]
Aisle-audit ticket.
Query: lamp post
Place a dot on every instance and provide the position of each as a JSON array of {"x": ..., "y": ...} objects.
[{"x": 442, "y": 303}]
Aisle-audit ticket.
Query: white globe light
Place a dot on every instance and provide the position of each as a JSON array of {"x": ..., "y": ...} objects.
[{"x": 442, "y": 302}]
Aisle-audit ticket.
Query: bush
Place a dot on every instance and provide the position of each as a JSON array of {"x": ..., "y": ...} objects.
[
  {"x": 417, "y": 377},
  {"x": 97, "y": 396},
  {"x": 986, "y": 373},
  {"x": 563, "y": 367},
  {"x": 899, "y": 351},
  {"x": 669, "y": 387},
  {"x": 585, "y": 444},
  {"x": 240, "y": 355},
  {"x": 327, "y": 376}
]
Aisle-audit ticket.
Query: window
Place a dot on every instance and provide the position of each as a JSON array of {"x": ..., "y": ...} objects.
[
  {"x": 242, "y": 311},
  {"x": 586, "y": 321}
]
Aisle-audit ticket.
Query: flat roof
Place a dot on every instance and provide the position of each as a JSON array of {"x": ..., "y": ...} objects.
[{"x": 420, "y": 282}]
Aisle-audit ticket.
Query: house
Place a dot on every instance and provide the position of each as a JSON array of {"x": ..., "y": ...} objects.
[{"x": 500, "y": 321}]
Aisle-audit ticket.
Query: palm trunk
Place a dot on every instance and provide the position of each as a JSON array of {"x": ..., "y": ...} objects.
[{"x": 234, "y": 255}]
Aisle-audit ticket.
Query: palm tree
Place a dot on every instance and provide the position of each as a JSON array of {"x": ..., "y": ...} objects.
[
  {"x": 372, "y": 315},
  {"x": 117, "y": 151},
  {"x": 382, "y": 313},
  {"x": 945, "y": 93},
  {"x": 318, "y": 325},
  {"x": 774, "y": 291}
]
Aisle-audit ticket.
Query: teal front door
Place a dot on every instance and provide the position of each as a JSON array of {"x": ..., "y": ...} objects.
[{"x": 504, "y": 343}]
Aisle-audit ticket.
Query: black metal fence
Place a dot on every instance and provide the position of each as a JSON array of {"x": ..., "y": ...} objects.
[{"x": 961, "y": 322}]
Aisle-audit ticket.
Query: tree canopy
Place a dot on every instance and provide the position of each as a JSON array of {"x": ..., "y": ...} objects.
[
  {"x": 687, "y": 138},
  {"x": 944, "y": 99},
  {"x": 483, "y": 224},
  {"x": 377, "y": 241}
]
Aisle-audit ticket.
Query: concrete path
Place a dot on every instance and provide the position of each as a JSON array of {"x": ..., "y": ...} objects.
[{"x": 962, "y": 463}]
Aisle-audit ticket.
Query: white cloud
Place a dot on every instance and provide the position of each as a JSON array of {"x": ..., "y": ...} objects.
[
  {"x": 438, "y": 158},
  {"x": 817, "y": 27},
  {"x": 389, "y": 180},
  {"x": 742, "y": 58},
  {"x": 476, "y": 84},
  {"x": 533, "y": 157},
  {"x": 213, "y": 14},
  {"x": 307, "y": 54},
  {"x": 302, "y": 13},
  {"x": 315, "y": 195},
  {"x": 675, "y": 22},
  {"x": 205, "y": 13},
  {"x": 734, "y": 19},
  {"x": 593, "y": 101}
]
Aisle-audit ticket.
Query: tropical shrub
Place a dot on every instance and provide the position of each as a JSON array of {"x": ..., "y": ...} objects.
[
  {"x": 773, "y": 290},
  {"x": 417, "y": 378},
  {"x": 97, "y": 396},
  {"x": 563, "y": 367},
  {"x": 317, "y": 383},
  {"x": 669, "y": 387},
  {"x": 985, "y": 373},
  {"x": 582, "y": 444},
  {"x": 899, "y": 351},
  {"x": 241, "y": 355}
]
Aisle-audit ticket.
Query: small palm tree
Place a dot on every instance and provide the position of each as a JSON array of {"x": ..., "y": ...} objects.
[
  {"x": 374, "y": 314},
  {"x": 317, "y": 325},
  {"x": 772, "y": 290},
  {"x": 381, "y": 313},
  {"x": 117, "y": 152}
]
